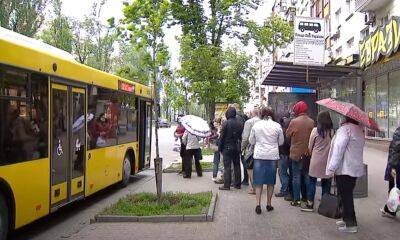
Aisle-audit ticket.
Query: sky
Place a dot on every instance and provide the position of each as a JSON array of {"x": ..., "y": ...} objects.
[{"x": 113, "y": 8}]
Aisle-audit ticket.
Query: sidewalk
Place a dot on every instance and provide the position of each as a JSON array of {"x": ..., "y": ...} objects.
[{"x": 235, "y": 217}]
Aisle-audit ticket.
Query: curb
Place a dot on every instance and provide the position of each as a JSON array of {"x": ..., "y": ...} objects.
[{"x": 205, "y": 217}]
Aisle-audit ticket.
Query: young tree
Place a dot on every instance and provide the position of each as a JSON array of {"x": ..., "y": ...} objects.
[
  {"x": 144, "y": 21},
  {"x": 23, "y": 16},
  {"x": 205, "y": 33},
  {"x": 59, "y": 32}
]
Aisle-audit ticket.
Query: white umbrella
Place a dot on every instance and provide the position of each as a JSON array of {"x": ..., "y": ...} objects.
[
  {"x": 79, "y": 123},
  {"x": 196, "y": 126}
]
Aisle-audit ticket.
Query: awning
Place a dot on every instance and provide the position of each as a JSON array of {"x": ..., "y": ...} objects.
[{"x": 286, "y": 74}]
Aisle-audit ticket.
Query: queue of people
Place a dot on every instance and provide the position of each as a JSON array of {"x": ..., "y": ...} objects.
[{"x": 302, "y": 150}]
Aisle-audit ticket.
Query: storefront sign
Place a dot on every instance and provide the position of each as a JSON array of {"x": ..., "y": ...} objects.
[
  {"x": 383, "y": 42},
  {"x": 309, "y": 41}
]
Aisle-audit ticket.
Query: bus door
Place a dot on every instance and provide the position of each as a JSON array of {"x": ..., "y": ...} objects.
[
  {"x": 145, "y": 131},
  {"x": 68, "y": 143}
]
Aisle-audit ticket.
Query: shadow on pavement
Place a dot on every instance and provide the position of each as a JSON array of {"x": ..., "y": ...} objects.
[{"x": 69, "y": 211}]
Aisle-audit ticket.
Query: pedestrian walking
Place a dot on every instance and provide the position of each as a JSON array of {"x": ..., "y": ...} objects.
[
  {"x": 298, "y": 133},
  {"x": 193, "y": 150},
  {"x": 392, "y": 173},
  {"x": 319, "y": 146},
  {"x": 266, "y": 136},
  {"x": 229, "y": 145},
  {"x": 247, "y": 148},
  {"x": 345, "y": 161},
  {"x": 284, "y": 164}
]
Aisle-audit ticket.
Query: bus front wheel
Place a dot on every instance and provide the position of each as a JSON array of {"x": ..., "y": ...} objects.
[
  {"x": 126, "y": 171},
  {"x": 4, "y": 217}
]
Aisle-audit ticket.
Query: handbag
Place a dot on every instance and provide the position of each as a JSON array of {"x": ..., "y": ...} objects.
[
  {"x": 330, "y": 206},
  {"x": 250, "y": 162},
  {"x": 393, "y": 202}
]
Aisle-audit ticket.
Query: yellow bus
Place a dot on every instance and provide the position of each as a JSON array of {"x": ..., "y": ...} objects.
[{"x": 66, "y": 130}]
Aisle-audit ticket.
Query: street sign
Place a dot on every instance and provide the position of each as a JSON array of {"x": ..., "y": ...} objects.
[{"x": 309, "y": 41}]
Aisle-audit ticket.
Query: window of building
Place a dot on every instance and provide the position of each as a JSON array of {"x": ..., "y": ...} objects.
[
  {"x": 370, "y": 101},
  {"x": 23, "y": 116},
  {"x": 364, "y": 33},
  {"x": 102, "y": 129},
  {"x": 382, "y": 105},
  {"x": 394, "y": 101},
  {"x": 337, "y": 16},
  {"x": 339, "y": 51},
  {"x": 350, "y": 43},
  {"x": 127, "y": 119}
]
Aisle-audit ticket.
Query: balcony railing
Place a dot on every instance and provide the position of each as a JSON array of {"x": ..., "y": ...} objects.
[{"x": 370, "y": 5}]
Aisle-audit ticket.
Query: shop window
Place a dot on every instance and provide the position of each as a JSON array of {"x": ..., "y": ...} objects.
[
  {"x": 127, "y": 119},
  {"x": 23, "y": 116},
  {"x": 370, "y": 101},
  {"x": 382, "y": 107},
  {"x": 394, "y": 101},
  {"x": 103, "y": 108}
]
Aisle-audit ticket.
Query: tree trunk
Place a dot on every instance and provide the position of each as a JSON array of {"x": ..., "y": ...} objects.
[{"x": 210, "y": 110}]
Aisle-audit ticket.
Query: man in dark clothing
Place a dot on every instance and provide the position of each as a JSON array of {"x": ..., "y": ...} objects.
[
  {"x": 229, "y": 145},
  {"x": 240, "y": 116},
  {"x": 284, "y": 162}
]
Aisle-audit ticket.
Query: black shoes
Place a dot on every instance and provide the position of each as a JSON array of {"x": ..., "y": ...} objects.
[
  {"x": 237, "y": 187},
  {"x": 258, "y": 209},
  {"x": 280, "y": 195},
  {"x": 270, "y": 208},
  {"x": 223, "y": 188},
  {"x": 186, "y": 176}
]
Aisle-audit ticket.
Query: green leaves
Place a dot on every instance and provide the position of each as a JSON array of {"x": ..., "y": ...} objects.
[
  {"x": 59, "y": 32},
  {"x": 274, "y": 33}
]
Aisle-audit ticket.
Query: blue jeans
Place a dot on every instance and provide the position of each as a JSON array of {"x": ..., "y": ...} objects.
[
  {"x": 216, "y": 161},
  {"x": 284, "y": 165},
  {"x": 299, "y": 179},
  {"x": 311, "y": 183}
]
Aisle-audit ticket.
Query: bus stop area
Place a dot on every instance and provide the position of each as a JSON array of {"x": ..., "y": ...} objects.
[{"x": 234, "y": 217}]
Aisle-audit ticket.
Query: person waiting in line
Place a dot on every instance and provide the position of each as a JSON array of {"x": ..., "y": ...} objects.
[
  {"x": 345, "y": 161},
  {"x": 392, "y": 173},
  {"x": 285, "y": 167},
  {"x": 242, "y": 118},
  {"x": 319, "y": 146},
  {"x": 193, "y": 150},
  {"x": 298, "y": 132},
  {"x": 247, "y": 148},
  {"x": 212, "y": 142},
  {"x": 229, "y": 145},
  {"x": 266, "y": 136},
  {"x": 178, "y": 134}
]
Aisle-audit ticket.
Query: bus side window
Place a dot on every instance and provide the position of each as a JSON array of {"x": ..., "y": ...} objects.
[
  {"x": 23, "y": 116},
  {"x": 102, "y": 129}
]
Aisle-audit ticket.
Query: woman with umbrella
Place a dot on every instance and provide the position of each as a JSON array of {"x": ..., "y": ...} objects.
[
  {"x": 195, "y": 128},
  {"x": 345, "y": 159}
]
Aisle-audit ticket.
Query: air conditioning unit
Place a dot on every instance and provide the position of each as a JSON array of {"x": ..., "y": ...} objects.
[{"x": 369, "y": 18}]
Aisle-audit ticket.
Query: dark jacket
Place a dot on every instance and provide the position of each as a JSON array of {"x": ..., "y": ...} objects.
[
  {"x": 231, "y": 132},
  {"x": 285, "y": 148},
  {"x": 394, "y": 150}
]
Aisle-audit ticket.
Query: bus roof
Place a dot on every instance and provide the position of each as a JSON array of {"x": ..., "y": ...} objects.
[{"x": 28, "y": 53}]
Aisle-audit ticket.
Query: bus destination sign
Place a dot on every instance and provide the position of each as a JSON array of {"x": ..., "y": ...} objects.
[{"x": 126, "y": 87}]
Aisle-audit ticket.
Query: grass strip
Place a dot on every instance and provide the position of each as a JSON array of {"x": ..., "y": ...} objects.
[{"x": 146, "y": 204}]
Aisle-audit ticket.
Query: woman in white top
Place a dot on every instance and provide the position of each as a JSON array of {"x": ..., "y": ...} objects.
[
  {"x": 266, "y": 136},
  {"x": 345, "y": 161}
]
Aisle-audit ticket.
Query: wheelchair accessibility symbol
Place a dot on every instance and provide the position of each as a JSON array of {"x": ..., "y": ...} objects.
[{"x": 59, "y": 148}]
